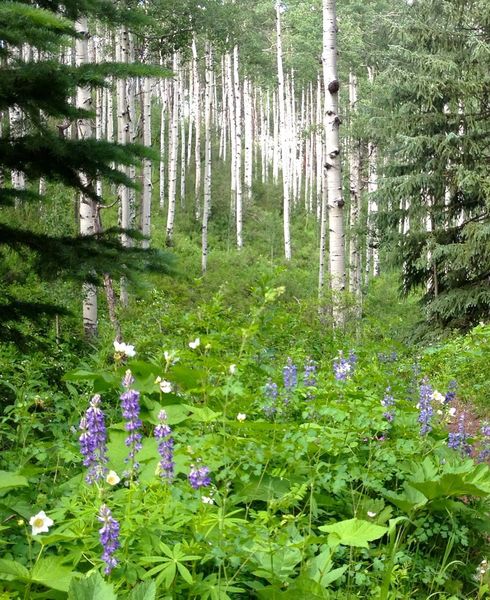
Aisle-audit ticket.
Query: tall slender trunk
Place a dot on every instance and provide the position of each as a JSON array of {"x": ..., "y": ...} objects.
[
  {"x": 332, "y": 163},
  {"x": 173, "y": 150},
  {"x": 163, "y": 147},
  {"x": 207, "y": 156},
  {"x": 354, "y": 186},
  {"x": 283, "y": 133},
  {"x": 197, "y": 124},
  {"x": 146, "y": 171},
  {"x": 87, "y": 207},
  {"x": 238, "y": 149}
]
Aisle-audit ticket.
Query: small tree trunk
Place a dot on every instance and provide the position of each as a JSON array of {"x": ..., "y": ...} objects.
[
  {"x": 173, "y": 151},
  {"x": 207, "y": 157},
  {"x": 147, "y": 185}
]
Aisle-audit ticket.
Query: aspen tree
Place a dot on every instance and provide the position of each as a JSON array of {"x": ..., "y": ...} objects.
[
  {"x": 238, "y": 150},
  {"x": 249, "y": 143},
  {"x": 332, "y": 161},
  {"x": 319, "y": 147},
  {"x": 182, "y": 117},
  {"x": 146, "y": 170},
  {"x": 173, "y": 149},
  {"x": 197, "y": 124},
  {"x": 283, "y": 135},
  {"x": 207, "y": 155},
  {"x": 87, "y": 208},
  {"x": 354, "y": 187},
  {"x": 163, "y": 89},
  {"x": 372, "y": 257},
  {"x": 233, "y": 139}
]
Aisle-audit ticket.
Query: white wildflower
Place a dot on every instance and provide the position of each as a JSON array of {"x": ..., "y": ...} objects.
[
  {"x": 40, "y": 523},
  {"x": 124, "y": 349},
  {"x": 207, "y": 500},
  {"x": 195, "y": 344},
  {"x": 241, "y": 417},
  {"x": 232, "y": 369},
  {"x": 438, "y": 397},
  {"x": 452, "y": 411},
  {"x": 371, "y": 514},
  {"x": 112, "y": 478}
]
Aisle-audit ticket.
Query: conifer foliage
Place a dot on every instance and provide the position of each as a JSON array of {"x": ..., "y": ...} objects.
[{"x": 38, "y": 87}]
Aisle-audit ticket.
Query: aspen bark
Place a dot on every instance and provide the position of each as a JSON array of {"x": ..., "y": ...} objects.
[
  {"x": 207, "y": 157},
  {"x": 87, "y": 208},
  {"x": 354, "y": 186},
  {"x": 163, "y": 118},
  {"x": 281, "y": 100},
  {"x": 173, "y": 150},
  {"x": 332, "y": 159},
  {"x": 197, "y": 125},
  {"x": 238, "y": 150},
  {"x": 147, "y": 165}
]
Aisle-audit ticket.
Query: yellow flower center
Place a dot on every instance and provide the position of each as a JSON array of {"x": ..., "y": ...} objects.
[{"x": 39, "y": 522}]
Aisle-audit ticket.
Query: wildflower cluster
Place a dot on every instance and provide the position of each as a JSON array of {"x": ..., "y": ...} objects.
[
  {"x": 123, "y": 350},
  {"x": 451, "y": 391},
  {"x": 426, "y": 411},
  {"x": 309, "y": 377},
  {"x": 109, "y": 537},
  {"x": 163, "y": 434},
  {"x": 344, "y": 367},
  {"x": 130, "y": 406},
  {"x": 270, "y": 393},
  {"x": 458, "y": 440},
  {"x": 93, "y": 441},
  {"x": 484, "y": 454},
  {"x": 199, "y": 476},
  {"x": 388, "y": 402}
]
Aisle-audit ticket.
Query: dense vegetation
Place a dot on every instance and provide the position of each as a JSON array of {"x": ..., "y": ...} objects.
[{"x": 220, "y": 438}]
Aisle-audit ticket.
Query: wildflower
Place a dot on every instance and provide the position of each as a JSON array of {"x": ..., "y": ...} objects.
[
  {"x": 425, "y": 407},
  {"x": 131, "y": 409},
  {"x": 232, "y": 369},
  {"x": 165, "y": 447},
  {"x": 290, "y": 374},
  {"x": 452, "y": 411},
  {"x": 198, "y": 477},
  {"x": 371, "y": 514},
  {"x": 270, "y": 392},
  {"x": 241, "y": 417},
  {"x": 40, "y": 523},
  {"x": 451, "y": 391},
  {"x": 207, "y": 500},
  {"x": 93, "y": 440},
  {"x": 112, "y": 478},
  {"x": 485, "y": 451},
  {"x": 165, "y": 386},
  {"x": 128, "y": 379},
  {"x": 170, "y": 358},
  {"x": 124, "y": 350},
  {"x": 109, "y": 537},
  {"x": 309, "y": 378},
  {"x": 195, "y": 344},
  {"x": 457, "y": 440},
  {"x": 438, "y": 397},
  {"x": 387, "y": 402},
  {"x": 342, "y": 368}
]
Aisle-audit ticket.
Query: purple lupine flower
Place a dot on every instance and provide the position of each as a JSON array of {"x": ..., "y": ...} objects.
[
  {"x": 131, "y": 409},
  {"x": 310, "y": 373},
  {"x": 342, "y": 367},
  {"x": 484, "y": 454},
  {"x": 109, "y": 537},
  {"x": 451, "y": 391},
  {"x": 458, "y": 440},
  {"x": 425, "y": 407},
  {"x": 309, "y": 377},
  {"x": 387, "y": 402},
  {"x": 165, "y": 447},
  {"x": 290, "y": 375},
  {"x": 199, "y": 477},
  {"x": 271, "y": 393},
  {"x": 128, "y": 379},
  {"x": 93, "y": 441}
]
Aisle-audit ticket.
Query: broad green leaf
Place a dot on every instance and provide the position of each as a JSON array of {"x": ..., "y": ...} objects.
[
  {"x": 409, "y": 500},
  {"x": 144, "y": 591},
  {"x": 11, "y": 570},
  {"x": 51, "y": 573},
  {"x": 11, "y": 480},
  {"x": 93, "y": 588},
  {"x": 353, "y": 532}
]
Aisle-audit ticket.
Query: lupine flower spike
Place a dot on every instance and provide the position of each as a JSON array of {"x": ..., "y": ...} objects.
[
  {"x": 425, "y": 407},
  {"x": 163, "y": 434},
  {"x": 109, "y": 538},
  {"x": 343, "y": 367},
  {"x": 458, "y": 440},
  {"x": 131, "y": 409},
  {"x": 199, "y": 476},
  {"x": 270, "y": 392},
  {"x": 93, "y": 440},
  {"x": 388, "y": 402}
]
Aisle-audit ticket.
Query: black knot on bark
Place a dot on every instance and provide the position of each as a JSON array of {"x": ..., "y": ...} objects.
[{"x": 333, "y": 86}]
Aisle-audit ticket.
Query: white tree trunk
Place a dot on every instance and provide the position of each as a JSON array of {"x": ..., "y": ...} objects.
[
  {"x": 283, "y": 133},
  {"x": 163, "y": 147},
  {"x": 197, "y": 123},
  {"x": 249, "y": 143},
  {"x": 87, "y": 208},
  {"x": 146, "y": 172},
  {"x": 332, "y": 162},
  {"x": 354, "y": 186},
  {"x": 238, "y": 161},
  {"x": 207, "y": 156},
  {"x": 173, "y": 151}
]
